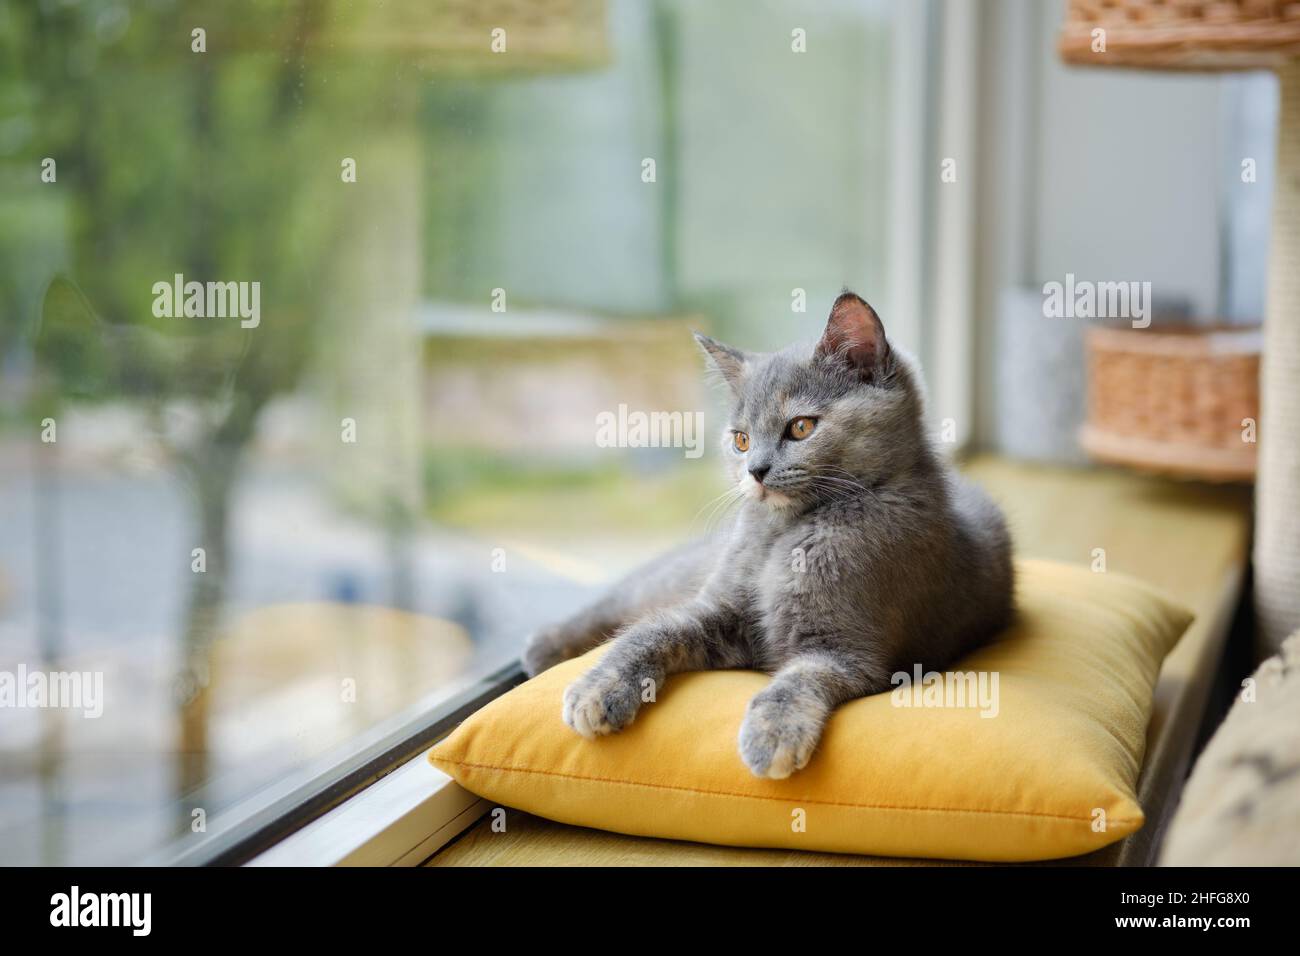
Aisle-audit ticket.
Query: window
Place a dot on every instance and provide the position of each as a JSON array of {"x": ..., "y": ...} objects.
[{"x": 308, "y": 317}]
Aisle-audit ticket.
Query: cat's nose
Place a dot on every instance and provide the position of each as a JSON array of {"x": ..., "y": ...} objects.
[{"x": 758, "y": 471}]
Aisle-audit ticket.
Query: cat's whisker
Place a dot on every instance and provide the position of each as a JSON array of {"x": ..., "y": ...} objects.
[
  {"x": 850, "y": 481},
  {"x": 710, "y": 506},
  {"x": 720, "y": 512},
  {"x": 838, "y": 489},
  {"x": 719, "y": 508},
  {"x": 850, "y": 476},
  {"x": 840, "y": 481}
]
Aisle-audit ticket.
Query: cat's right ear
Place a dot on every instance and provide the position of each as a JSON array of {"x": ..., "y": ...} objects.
[
  {"x": 727, "y": 362},
  {"x": 855, "y": 336}
]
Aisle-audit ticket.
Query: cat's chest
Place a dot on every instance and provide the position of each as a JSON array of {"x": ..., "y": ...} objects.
[
  {"x": 772, "y": 564},
  {"x": 803, "y": 568}
]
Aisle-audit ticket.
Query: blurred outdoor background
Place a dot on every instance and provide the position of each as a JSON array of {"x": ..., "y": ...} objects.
[
  {"x": 501, "y": 271},
  {"x": 474, "y": 495}
]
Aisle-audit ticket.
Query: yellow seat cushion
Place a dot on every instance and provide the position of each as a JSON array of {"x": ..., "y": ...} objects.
[{"x": 1049, "y": 773}]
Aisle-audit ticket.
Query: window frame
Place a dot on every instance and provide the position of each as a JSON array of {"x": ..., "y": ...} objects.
[
  {"x": 265, "y": 819},
  {"x": 401, "y": 819},
  {"x": 933, "y": 269}
]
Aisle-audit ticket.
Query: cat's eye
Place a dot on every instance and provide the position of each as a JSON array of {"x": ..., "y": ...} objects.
[
  {"x": 801, "y": 428},
  {"x": 741, "y": 441}
]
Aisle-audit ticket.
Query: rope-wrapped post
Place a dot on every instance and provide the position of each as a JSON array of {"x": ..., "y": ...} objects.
[{"x": 1277, "y": 514}]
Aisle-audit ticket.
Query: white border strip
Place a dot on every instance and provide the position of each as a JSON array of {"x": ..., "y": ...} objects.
[
  {"x": 399, "y": 820},
  {"x": 951, "y": 331},
  {"x": 907, "y": 184}
]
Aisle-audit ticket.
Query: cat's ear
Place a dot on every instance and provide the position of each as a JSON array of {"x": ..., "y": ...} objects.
[
  {"x": 728, "y": 362},
  {"x": 855, "y": 335}
]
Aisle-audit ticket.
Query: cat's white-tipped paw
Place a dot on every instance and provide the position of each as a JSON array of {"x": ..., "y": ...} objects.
[
  {"x": 778, "y": 739},
  {"x": 600, "y": 702}
]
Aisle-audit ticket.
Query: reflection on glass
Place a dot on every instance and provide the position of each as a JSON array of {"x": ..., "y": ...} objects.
[{"x": 303, "y": 339}]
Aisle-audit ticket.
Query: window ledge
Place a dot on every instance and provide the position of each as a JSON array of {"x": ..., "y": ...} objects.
[{"x": 400, "y": 820}]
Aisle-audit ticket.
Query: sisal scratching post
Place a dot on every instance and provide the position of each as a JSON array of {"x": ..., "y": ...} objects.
[{"x": 1277, "y": 524}]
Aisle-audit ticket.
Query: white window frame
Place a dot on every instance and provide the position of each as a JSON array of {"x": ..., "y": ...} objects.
[
  {"x": 949, "y": 336},
  {"x": 935, "y": 84},
  {"x": 401, "y": 820}
]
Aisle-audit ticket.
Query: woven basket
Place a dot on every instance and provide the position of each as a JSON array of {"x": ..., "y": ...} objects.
[
  {"x": 1182, "y": 34},
  {"x": 1175, "y": 400}
]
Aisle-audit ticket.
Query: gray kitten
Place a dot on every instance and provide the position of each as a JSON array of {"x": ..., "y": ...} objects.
[{"x": 856, "y": 553}]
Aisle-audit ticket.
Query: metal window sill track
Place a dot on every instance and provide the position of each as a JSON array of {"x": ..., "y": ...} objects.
[{"x": 400, "y": 820}]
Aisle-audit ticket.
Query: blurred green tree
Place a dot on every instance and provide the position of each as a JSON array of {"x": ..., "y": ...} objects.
[{"x": 209, "y": 164}]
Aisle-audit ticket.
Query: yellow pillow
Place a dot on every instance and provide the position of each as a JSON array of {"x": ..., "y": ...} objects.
[{"x": 1049, "y": 773}]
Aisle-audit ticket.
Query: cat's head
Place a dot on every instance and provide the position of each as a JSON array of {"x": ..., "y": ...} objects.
[{"x": 810, "y": 424}]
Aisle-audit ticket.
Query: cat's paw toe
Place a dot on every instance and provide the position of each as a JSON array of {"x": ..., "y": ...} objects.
[
  {"x": 599, "y": 702},
  {"x": 776, "y": 741}
]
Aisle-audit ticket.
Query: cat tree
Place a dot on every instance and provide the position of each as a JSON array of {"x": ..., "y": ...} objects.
[{"x": 1221, "y": 36}]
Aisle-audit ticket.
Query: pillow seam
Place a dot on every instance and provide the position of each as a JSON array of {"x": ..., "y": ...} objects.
[{"x": 756, "y": 796}]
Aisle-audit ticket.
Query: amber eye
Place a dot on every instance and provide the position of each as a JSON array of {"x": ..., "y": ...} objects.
[
  {"x": 742, "y": 441},
  {"x": 801, "y": 428}
]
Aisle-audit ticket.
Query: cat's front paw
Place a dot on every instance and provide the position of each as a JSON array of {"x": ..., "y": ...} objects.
[
  {"x": 601, "y": 701},
  {"x": 778, "y": 737}
]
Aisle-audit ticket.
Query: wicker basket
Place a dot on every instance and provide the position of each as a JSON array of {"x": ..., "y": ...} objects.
[
  {"x": 1182, "y": 34},
  {"x": 1174, "y": 400}
]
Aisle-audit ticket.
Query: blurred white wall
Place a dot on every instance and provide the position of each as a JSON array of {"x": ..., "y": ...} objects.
[{"x": 1112, "y": 175}]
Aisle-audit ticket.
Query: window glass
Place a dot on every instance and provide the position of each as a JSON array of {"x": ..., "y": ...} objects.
[{"x": 310, "y": 316}]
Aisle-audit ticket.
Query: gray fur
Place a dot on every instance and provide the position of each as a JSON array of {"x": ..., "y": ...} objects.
[{"x": 903, "y": 561}]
